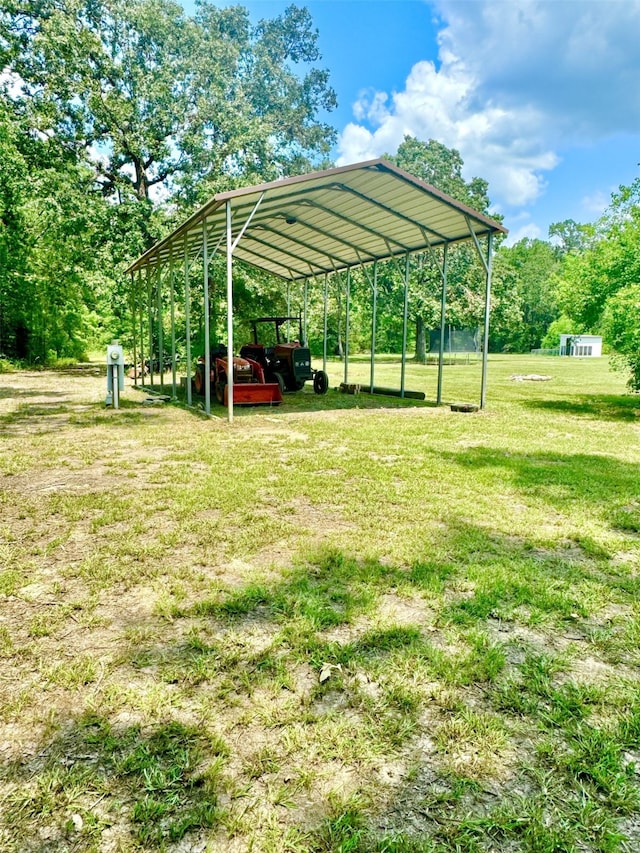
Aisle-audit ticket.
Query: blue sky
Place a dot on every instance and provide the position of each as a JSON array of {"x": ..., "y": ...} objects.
[{"x": 541, "y": 97}]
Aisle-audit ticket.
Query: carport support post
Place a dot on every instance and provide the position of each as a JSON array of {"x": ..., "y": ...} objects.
[
  {"x": 141, "y": 310},
  {"x": 141, "y": 327},
  {"x": 346, "y": 326},
  {"x": 187, "y": 317},
  {"x": 173, "y": 323},
  {"x": 324, "y": 337},
  {"x": 405, "y": 317},
  {"x": 160, "y": 335},
  {"x": 305, "y": 330},
  {"x": 207, "y": 336},
  {"x": 487, "y": 311},
  {"x": 229, "y": 315},
  {"x": 140, "y": 304},
  {"x": 443, "y": 310},
  {"x": 150, "y": 311},
  {"x": 134, "y": 329},
  {"x": 373, "y": 324}
]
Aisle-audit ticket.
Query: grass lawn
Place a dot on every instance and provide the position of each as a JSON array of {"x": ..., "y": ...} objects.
[{"x": 348, "y": 623}]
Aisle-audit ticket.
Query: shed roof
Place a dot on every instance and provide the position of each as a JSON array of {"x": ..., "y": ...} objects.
[{"x": 327, "y": 221}]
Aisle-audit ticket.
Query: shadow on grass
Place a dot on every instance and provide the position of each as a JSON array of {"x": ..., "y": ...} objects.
[
  {"x": 607, "y": 407},
  {"x": 300, "y": 402},
  {"x": 161, "y": 783},
  {"x": 46, "y": 417},
  {"x": 18, "y": 393},
  {"x": 565, "y": 479},
  {"x": 315, "y": 616},
  {"x": 83, "y": 780}
]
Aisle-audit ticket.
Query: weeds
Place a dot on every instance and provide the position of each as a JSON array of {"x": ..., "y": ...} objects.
[{"x": 353, "y": 631}]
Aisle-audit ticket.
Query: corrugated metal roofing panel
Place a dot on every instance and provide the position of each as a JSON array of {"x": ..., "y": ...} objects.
[{"x": 328, "y": 221}]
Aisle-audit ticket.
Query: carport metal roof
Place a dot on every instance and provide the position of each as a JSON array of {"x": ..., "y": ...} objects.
[
  {"x": 327, "y": 221},
  {"x": 312, "y": 225}
]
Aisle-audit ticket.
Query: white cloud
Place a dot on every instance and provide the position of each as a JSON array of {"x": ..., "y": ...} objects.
[
  {"x": 596, "y": 203},
  {"x": 502, "y": 146},
  {"x": 515, "y": 82},
  {"x": 574, "y": 62},
  {"x": 529, "y": 231}
]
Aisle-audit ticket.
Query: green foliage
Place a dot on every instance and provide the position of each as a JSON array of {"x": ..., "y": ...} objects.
[
  {"x": 569, "y": 236},
  {"x": 621, "y": 326},
  {"x": 599, "y": 286},
  {"x": 529, "y": 268},
  {"x": 170, "y": 99},
  {"x": 562, "y": 326},
  {"x": 118, "y": 100}
]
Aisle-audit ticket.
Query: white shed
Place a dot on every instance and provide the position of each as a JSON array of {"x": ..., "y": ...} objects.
[{"x": 581, "y": 345}]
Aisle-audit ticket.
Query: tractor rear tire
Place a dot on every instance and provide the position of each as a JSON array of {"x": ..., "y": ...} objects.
[
  {"x": 320, "y": 382},
  {"x": 295, "y": 384},
  {"x": 220, "y": 389},
  {"x": 279, "y": 378}
]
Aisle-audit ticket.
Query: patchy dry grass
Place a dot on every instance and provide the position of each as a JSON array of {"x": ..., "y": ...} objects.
[{"x": 348, "y": 624}]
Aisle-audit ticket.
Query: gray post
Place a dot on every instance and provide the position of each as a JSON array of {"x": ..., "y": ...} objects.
[
  {"x": 305, "y": 326},
  {"x": 134, "y": 330},
  {"x": 160, "y": 334},
  {"x": 150, "y": 312},
  {"x": 346, "y": 327},
  {"x": 443, "y": 310},
  {"x": 373, "y": 324},
  {"x": 173, "y": 323},
  {"x": 326, "y": 308},
  {"x": 187, "y": 318},
  {"x": 229, "y": 315},
  {"x": 207, "y": 331},
  {"x": 140, "y": 302},
  {"x": 487, "y": 311},
  {"x": 405, "y": 317}
]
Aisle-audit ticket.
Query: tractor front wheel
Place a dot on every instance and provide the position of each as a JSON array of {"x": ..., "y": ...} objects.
[
  {"x": 320, "y": 382},
  {"x": 198, "y": 380}
]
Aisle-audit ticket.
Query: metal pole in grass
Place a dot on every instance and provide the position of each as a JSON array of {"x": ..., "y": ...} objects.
[
  {"x": 187, "y": 317},
  {"x": 373, "y": 324},
  {"x": 173, "y": 322},
  {"x": 443, "y": 309},
  {"x": 140, "y": 303},
  {"x": 229, "y": 315},
  {"x": 404, "y": 325},
  {"x": 150, "y": 312},
  {"x": 160, "y": 331},
  {"x": 305, "y": 342},
  {"x": 487, "y": 311},
  {"x": 326, "y": 306},
  {"x": 207, "y": 337},
  {"x": 134, "y": 331},
  {"x": 346, "y": 326}
]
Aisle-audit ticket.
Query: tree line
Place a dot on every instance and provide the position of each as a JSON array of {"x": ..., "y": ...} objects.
[{"x": 118, "y": 118}]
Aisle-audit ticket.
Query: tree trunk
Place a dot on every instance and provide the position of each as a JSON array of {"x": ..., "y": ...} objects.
[{"x": 421, "y": 341}]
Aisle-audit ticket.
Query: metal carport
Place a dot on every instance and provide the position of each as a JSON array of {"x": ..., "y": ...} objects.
[{"x": 314, "y": 225}]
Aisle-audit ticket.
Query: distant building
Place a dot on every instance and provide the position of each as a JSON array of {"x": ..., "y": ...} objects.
[{"x": 581, "y": 345}]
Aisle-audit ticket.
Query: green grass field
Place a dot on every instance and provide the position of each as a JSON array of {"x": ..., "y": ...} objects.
[{"x": 348, "y": 623}]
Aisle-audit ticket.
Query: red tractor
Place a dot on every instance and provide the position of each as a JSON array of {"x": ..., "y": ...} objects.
[
  {"x": 249, "y": 386},
  {"x": 286, "y": 362}
]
